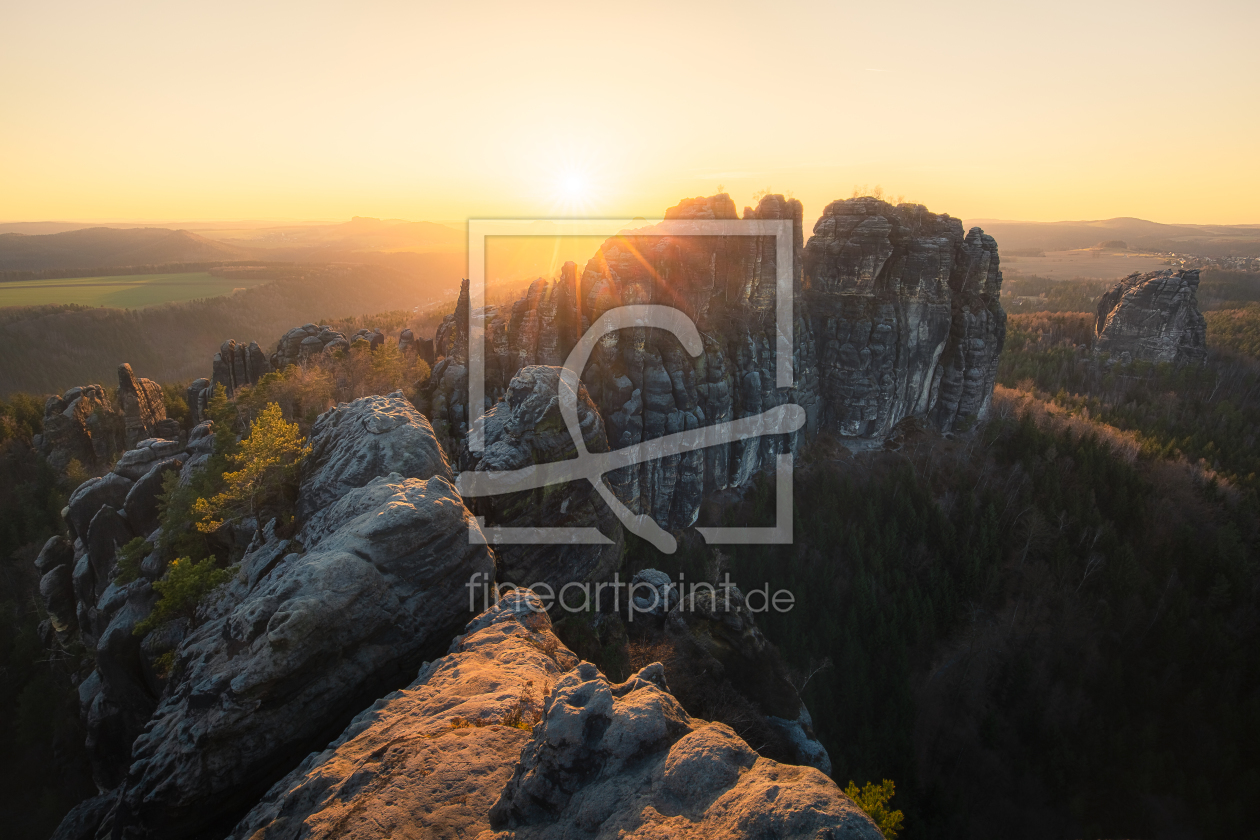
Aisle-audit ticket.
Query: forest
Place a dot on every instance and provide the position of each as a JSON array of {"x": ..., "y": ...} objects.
[{"x": 1044, "y": 628}]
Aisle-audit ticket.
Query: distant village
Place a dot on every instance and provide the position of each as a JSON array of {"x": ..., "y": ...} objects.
[{"x": 1197, "y": 261}]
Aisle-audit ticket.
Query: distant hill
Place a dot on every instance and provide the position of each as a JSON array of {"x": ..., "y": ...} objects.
[
  {"x": 1139, "y": 234},
  {"x": 109, "y": 247}
]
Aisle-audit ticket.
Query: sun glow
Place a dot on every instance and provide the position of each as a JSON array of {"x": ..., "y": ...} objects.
[
  {"x": 573, "y": 187},
  {"x": 576, "y": 189}
]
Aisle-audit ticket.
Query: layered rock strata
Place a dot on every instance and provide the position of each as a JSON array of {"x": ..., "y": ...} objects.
[{"x": 1152, "y": 317}]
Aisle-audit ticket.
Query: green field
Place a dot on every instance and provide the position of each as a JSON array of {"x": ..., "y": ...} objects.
[{"x": 127, "y": 292}]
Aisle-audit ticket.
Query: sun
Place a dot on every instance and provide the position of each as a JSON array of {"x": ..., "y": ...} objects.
[
  {"x": 574, "y": 186},
  {"x": 575, "y": 189}
]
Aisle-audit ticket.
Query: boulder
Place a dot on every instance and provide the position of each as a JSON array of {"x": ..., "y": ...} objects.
[
  {"x": 141, "y": 504},
  {"x": 1152, "y": 317},
  {"x": 627, "y": 760},
  {"x": 370, "y": 437},
  {"x": 56, "y": 552},
  {"x": 82, "y": 425},
  {"x": 136, "y": 462},
  {"x": 89, "y": 496}
]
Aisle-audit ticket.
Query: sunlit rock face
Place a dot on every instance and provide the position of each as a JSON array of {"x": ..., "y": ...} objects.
[
  {"x": 1153, "y": 317},
  {"x": 895, "y": 314},
  {"x": 509, "y": 736}
]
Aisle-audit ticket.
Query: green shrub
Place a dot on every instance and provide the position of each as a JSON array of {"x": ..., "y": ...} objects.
[
  {"x": 873, "y": 799},
  {"x": 265, "y": 478},
  {"x": 185, "y": 586},
  {"x": 175, "y": 403},
  {"x": 129, "y": 558}
]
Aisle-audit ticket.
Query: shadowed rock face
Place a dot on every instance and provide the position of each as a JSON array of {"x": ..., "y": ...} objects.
[
  {"x": 508, "y": 736},
  {"x": 1154, "y": 318},
  {"x": 525, "y": 429},
  {"x": 896, "y": 314}
]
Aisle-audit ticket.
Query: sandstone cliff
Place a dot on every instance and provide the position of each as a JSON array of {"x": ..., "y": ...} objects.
[
  {"x": 1152, "y": 317},
  {"x": 896, "y": 314}
]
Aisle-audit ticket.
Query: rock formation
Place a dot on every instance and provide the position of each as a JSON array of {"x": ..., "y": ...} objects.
[
  {"x": 81, "y": 425},
  {"x": 720, "y": 663},
  {"x": 509, "y": 736},
  {"x": 84, "y": 424},
  {"x": 237, "y": 365},
  {"x": 142, "y": 405},
  {"x": 1152, "y": 317},
  {"x": 896, "y": 314},
  {"x": 309, "y": 632}
]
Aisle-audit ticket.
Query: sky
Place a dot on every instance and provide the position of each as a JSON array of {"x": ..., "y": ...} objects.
[{"x": 323, "y": 110}]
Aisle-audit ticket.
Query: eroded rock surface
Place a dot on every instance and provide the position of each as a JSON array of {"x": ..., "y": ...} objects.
[
  {"x": 1153, "y": 317},
  {"x": 508, "y": 736},
  {"x": 81, "y": 425},
  {"x": 356, "y": 442},
  {"x": 428, "y": 760},
  {"x": 142, "y": 405},
  {"x": 627, "y": 761}
]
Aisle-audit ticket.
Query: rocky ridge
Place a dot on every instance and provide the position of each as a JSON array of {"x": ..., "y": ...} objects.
[
  {"x": 510, "y": 736},
  {"x": 238, "y": 364},
  {"x": 310, "y": 630},
  {"x": 189, "y": 724},
  {"x": 1152, "y": 317}
]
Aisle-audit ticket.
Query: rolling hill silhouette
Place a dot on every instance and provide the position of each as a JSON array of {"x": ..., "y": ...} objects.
[{"x": 102, "y": 247}]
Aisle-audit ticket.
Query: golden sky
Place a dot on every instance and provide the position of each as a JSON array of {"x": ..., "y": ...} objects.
[{"x": 324, "y": 110}]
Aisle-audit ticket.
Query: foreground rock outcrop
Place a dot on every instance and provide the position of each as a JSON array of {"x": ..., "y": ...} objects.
[
  {"x": 896, "y": 314},
  {"x": 189, "y": 724},
  {"x": 1153, "y": 317},
  {"x": 509, "y": 736}
]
